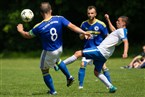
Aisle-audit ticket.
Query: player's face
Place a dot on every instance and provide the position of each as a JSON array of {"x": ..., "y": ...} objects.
[
  {"x": 120, "y": 23},
  {"x": 91, "y": 13}
]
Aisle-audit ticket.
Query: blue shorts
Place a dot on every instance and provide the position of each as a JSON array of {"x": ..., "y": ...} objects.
[{"x": 98, "y": 58}]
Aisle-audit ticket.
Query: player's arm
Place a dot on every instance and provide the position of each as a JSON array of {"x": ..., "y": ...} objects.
[
  {"x": 126, "y": 47},
  {"x": 91, "y": 32},
  {"x": 79, "y": 30},
  {"x": 25, "y": 34},
  {"x": 112, "y": 28}
]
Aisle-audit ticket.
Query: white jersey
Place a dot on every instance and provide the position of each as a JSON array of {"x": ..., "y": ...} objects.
[{"x": 107, "y": 46}]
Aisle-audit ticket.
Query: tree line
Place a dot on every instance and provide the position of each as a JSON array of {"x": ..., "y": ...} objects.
[{"x": 73, "y": 10}]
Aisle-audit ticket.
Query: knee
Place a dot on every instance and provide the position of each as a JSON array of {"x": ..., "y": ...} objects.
[
  {"x": 105, "y": 69},
  {"x": 45, "y": 71},
  {"x": 78, "y": 53},
  {"x": 84, "y": 64},
  {"x": 104, "y": 66}
]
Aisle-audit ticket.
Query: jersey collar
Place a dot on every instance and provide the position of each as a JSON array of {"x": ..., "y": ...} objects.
[{"x": 48, "y": 19}]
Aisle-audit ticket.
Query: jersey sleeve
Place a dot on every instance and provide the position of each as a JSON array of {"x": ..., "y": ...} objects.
[
  {"x": 82, "y": 26},
  {"x": 64, "y": 21},
  {"x": 35, "y": 31},
  {"x": 31, "y": 33},
  {"x": 105, "y": 31},
  {"x": 123, "y": 34}
]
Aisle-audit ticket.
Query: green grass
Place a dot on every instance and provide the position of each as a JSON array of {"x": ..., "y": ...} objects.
[{"x": 22, "y": 78}]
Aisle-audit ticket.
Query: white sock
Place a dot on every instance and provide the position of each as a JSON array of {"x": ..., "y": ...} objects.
[
  {"x": 104, "y": 80},
  {"x": 70, "y": 60}
]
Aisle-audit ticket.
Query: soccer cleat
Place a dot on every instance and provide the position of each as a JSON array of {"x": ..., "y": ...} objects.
[
  {"x": 70, "y": 81},
  {"x": 125, "y": 67},
  {"x": 80, "y": 87},
  {"x": 112, "y": 89},
  {"x": 52, "y": 93},
  {"x": 56, "y": 68}
]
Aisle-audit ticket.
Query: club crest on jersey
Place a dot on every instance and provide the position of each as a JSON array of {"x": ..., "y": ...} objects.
[{"x": 96, "y": 28}]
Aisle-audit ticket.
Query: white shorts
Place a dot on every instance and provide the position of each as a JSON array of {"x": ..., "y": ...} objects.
[
  {"x": 89, "y": 61},
  {"x": 49, "y": 58}
]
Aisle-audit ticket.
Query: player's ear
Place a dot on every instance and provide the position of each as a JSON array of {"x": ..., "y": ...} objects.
[
  {"x": 96, "y": 14},
  {"x": 50, "y": 11}
]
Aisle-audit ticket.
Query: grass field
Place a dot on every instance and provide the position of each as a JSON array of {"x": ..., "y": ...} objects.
[{"x": 21, "y": 77}]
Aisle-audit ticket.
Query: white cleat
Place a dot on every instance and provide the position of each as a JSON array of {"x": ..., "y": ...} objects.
[{"x": 80, "y": 87}]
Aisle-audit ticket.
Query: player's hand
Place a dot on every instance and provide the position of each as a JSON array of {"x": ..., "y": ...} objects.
[
  {"x": 124, "y": 56},
  {"x": 20, "y": 27},
  {"x": 87, "y": 35},
  {"x": 106, "y": 16}
]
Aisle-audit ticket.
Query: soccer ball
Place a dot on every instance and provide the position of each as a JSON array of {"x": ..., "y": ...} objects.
[{"x": 27, "y": 15}]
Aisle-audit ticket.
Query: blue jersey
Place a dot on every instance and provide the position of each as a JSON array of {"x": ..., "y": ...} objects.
[
  {"x": 95, "y": 40},
  {"x": 50, "y": 32}
]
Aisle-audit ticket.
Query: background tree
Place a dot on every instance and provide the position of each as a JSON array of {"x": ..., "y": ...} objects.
[{"x": 73, "y": 10}]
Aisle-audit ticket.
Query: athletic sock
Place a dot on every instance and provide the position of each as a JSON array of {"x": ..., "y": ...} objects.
[
  {"x": 49, "y": 82},
  {"x": 64, "y": 69},
  {"x": 104, "y": 80},
  {"x": 70, "y": 60},
  {"x": 107, "y": 74},
  {"x": 81, "y": 76}
]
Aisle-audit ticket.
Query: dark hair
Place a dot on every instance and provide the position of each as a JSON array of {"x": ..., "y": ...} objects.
[
  {"x": 125, "y": 19},
  {"x": 91, "y": 7},
  {"x": 45, "y": 7}
]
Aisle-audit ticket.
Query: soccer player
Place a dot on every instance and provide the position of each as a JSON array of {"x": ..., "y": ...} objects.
[
  {"x": 50, "y": 32},
  {"x": 101, "y": 53},
  {"x": 99, "y": 31}
]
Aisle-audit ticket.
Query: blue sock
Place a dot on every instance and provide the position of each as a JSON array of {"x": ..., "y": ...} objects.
[
  {"x": 64, "y": 69},
  {"x": 49, "y": 82},
  {"x": 107, "y": 74},
  {"x": 81, "y": 76}
]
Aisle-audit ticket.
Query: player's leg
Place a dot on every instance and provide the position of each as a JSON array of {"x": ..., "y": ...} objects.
[
  {"x": 99, "y": 60},
  {"x": 45, "y": 71},
  {"x": 81, "y": 74},
  {"x": 66, "y": 61},
  {"x": 97, "y": 71},
  {"x": 106, "y": 72},
  {"x": 48, "y": 81},
  {"x": 65, "y": 71},
  {"x": 73, "y": 58},
  {"x": 82, "y": 71},
  {"x": 61, "y": 65},
  {"x": 70, "y": 59}
]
